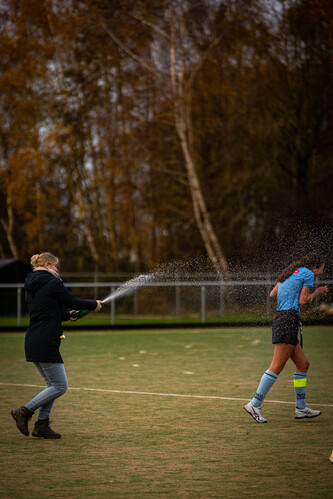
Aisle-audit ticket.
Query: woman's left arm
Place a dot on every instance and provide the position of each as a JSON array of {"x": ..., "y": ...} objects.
[
  {"x": 307, "y": 297},
  {"x": 65, "y": 316}
]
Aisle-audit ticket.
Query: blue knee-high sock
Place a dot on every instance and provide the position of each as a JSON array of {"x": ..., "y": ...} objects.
[
  {"x": 265, "y": 385},
  {"x": 300, "y": 386}
]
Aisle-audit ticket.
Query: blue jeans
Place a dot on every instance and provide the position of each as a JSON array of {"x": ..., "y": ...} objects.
[{"x": 55, "y": 376}]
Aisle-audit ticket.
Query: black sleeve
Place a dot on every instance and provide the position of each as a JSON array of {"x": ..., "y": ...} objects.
[
  {"x": 65, "y": 316},
  {"x": 67, "y": 298}
]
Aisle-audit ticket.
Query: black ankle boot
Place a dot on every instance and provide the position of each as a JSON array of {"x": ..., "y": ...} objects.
[
  {"x": 43, "y": 430},
  {"x": 22, "y": 416}
]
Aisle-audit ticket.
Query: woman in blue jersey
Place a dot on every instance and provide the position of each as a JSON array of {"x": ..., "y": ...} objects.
[{"x": 292, "y": 291}]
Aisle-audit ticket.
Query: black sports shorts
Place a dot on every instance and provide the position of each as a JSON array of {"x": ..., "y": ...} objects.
[{"x": 285, "y": 327}]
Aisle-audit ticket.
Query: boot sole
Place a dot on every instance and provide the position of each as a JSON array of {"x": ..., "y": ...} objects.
[
  {"x": 49, "y": 437},
  {"x": 23, "y": 432}
]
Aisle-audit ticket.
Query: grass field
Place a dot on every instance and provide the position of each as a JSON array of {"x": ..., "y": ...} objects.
[
  {"x": 160, "y": 414},
  {"x": 103, "y": 319}
]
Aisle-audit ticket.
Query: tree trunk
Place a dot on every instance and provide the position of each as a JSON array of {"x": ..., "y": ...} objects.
[
  {"x": 9, "y": 228},
  {"x": 181, "y": 93},
  {"x": 182, "y": 114}
]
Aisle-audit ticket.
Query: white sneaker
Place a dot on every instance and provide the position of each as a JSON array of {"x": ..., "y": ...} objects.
[
  {"x": 306, "y": 413},
  {"x": 255, "y": 412}
]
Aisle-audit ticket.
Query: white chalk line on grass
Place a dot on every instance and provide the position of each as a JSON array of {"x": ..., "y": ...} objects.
[{"x": 180, "y": 395}]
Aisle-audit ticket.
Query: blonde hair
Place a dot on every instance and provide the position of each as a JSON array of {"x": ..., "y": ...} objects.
[{"x": 43, "y": 258}]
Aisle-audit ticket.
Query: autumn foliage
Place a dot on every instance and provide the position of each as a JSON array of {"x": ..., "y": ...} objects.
[{"x": 135, "y": 132}]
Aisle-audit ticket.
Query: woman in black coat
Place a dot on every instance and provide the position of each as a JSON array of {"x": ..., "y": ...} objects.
[{"x": 46, "y": 297}]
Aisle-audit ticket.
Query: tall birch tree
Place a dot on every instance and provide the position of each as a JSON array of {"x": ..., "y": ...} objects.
[{"x": 172, "y": 42}]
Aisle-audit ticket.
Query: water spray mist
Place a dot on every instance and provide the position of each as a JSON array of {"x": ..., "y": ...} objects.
[{"x": 125, "y": 289}]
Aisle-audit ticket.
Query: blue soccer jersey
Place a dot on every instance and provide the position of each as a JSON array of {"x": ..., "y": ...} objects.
[{"x": 289, "y": 290}]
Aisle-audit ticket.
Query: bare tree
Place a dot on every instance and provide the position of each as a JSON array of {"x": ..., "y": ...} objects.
[
  {"x": 182, "y": 86},
  {"x": 179, "y": 79}
]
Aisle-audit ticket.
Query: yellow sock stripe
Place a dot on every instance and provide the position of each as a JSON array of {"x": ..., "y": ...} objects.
[{"x": 299, "y": 382}]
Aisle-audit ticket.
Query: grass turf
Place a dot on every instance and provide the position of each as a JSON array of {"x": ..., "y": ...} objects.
[
  {"x": 118, "y": 444},
  {"x": 102, "y": 319}
]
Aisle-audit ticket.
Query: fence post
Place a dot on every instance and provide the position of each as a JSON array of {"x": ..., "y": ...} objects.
[
  {"x": 203, "y": 304},
  {"x": 268, "y": 301},
  {"x": 221, "y": 300},
  {"x": 136, "y": 302},
  {"x": 113, "y": 308},
  {"x": 18, "y": 306},
  {"x": 177, "y": 301}
]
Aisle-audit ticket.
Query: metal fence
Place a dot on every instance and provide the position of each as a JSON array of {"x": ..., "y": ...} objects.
[{"x": 199, "y": 300}]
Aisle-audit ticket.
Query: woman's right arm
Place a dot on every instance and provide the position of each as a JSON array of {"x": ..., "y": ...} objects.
[{"x": 71, "y": 301}]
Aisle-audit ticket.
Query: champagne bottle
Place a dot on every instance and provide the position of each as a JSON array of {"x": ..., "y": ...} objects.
[{"x": 80, "y": 313}]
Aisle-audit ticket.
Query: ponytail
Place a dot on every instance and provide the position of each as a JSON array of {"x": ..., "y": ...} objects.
[{"x": 39, "y": 260}]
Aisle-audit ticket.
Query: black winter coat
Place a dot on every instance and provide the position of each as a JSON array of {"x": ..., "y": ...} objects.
[{"x": 46, "y": 297}]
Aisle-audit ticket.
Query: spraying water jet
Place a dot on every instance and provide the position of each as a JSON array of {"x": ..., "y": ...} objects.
[
  {"x": 125, "y": 289},
  {"x": 187, "y": 268}
]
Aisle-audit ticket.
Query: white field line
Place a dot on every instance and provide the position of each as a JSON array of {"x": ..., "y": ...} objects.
[{"x": 180, "y": 395}]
